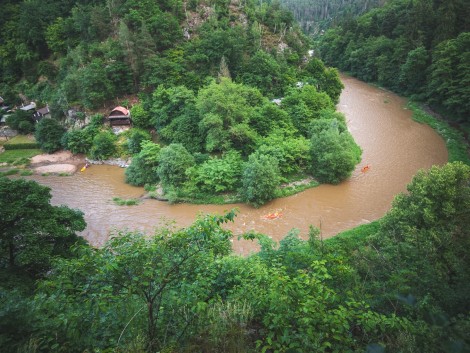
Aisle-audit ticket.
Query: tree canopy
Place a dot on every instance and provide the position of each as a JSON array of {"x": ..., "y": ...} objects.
[{"x": 32, "y": 230}]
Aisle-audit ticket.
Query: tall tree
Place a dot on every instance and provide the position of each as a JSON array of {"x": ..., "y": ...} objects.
[{"x": 32, "y": 231}]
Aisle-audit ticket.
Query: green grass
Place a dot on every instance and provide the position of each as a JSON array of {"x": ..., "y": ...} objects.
[
  {"x": 353, "y": 238},
  {"x": 64, "y": 174},
  {"x": 123, "y": 202},
  {"x": 455, "y": 142},
  {"x": 16, "y": 157},
  {"x": 26, "y": 172},
  {"x": 9, "y": 172},
  {"x": 19, "y": 139}
]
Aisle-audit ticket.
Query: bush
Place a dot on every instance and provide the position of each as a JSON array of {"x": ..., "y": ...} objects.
[
  {"x": 103, "y": 145},
  {"x": 143, "y": 166},
  {"x": 334, "y": 153},
  {"x": 20, "y": 146},
  {"x": 78, "y": 141},
  {"x": 260, "y": 179},
  {"x": 173, "y": 162},
  {"x": 136, "y": 137},
  {"x": 21, "y": 121},
  {"x": 219, "y": 174},
  {"x": 49, "y": 134}
]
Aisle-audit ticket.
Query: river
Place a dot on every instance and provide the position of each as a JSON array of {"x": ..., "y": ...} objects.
[{"x": 394, "y": 146}]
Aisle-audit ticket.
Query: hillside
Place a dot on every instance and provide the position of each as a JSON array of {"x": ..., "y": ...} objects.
[
  {"x": 418, "y": 48},
  {"x": 86, "y": 52},
  {"x": 315, "y": 16}
]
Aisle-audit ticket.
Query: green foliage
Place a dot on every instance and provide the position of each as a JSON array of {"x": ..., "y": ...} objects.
[
  {"x": 225, "y": 109},
  {"x": 455, "y": 142},
  {"x": 140, "y": 117},
  {"x": 218, "y": 174},
  {"x": 450, "y": 74},
  {"x": 173, "y": 161},
  {"x": 419, "y": 48},
  {"x": 135, "y": 139},
  {"x": 264, "y": 73},
  {"x": 49, "y": 135},
  {"x": 176, "y": 117},
  {"x": 142, "y": 169},
  {"x": 334, "y": 152},
  {"x": 154, "y": 287},
  {"x": 79, "y": 140},
  {"x": 304, "y": 105},
  {"x": 104, "y": 145},
  {"x": 32, "y": 231},
  {"x": 292, "y": 153},
  {"x": 324, "y": 79},
  {"x": 20, "y": 146},
  {"x": 122, "y": 202},
  {"x": 260, "y": 179},
  {"x": 21, "y": 121}
]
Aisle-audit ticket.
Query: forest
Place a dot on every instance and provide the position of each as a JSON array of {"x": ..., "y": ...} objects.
[
  {"x": 418, "y": 48},
  {"x": 315, "y": 16},
  {"x": 200, "y": 79}
]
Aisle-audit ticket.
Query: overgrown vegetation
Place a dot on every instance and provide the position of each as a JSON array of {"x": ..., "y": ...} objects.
[
  {"x": 122, "y": 202},
  {"x": 204, "y": 97},
  {"x": 399, "y": 284},
  {"x": 418, "y": 48}
]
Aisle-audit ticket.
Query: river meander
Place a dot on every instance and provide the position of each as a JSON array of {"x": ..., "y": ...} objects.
[{"x": 394, "y": 146}]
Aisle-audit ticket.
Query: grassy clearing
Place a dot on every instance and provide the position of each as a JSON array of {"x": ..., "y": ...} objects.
[
  {"x": 20, "y": 139},
  {"x": 122, "y": 202},
  {"x": 9, "y": 172},
  {"x": 26, "y": 172},
  {"x": 455, "y": 142},
  {"x": 17, "y": 157}
]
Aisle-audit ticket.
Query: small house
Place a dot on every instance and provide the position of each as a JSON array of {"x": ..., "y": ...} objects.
[
  {"x": 119, "y": 116},
  {"x": 42, "y": 113}
]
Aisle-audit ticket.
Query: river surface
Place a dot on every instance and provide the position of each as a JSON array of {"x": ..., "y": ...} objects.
[{"x": 394, "y": 147}]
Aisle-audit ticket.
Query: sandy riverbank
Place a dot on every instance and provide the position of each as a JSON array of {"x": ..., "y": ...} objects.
[{"x": 57, "y": 163}]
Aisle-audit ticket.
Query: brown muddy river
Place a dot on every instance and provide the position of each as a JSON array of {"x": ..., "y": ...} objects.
[{"x": 394, "y": 146}]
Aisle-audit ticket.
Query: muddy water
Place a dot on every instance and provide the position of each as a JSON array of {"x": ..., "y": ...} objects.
[{"x": 393, "y": 146}]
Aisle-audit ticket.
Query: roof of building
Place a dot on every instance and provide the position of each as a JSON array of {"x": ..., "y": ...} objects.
[
  {"x": 120, "y": 109},
  {"x": 30, "y": 106},
  {"x": 44, "y": 111}
]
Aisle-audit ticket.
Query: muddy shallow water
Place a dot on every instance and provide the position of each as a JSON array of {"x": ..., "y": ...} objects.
[{"x": 394, "y": 147}]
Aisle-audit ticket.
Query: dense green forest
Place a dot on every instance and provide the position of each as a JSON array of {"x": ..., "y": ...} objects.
[
  {"x": 314, "y": 16},
  {"x": 199, "y": 79},
  {"x": 419, "y": 48},
  {"x": 397, "y": 285}
]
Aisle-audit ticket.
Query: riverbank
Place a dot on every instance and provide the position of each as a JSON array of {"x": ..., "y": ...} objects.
[{"x": 456, "y": 143}]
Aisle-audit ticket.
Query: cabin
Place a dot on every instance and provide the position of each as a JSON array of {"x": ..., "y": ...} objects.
[
  {"x": 42, "y": 113},
  {"x": 119, "y": 116}
]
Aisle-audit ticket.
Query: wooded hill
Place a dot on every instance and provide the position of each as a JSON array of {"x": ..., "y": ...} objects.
[
  {"x": 314, "y": 16},
  {"x": 86, "y": 52},
  {"x": 414, "y": 47}
]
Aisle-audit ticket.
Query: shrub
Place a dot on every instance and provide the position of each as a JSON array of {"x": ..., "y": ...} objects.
[
  {"x": 219, "y": 174},
  {"x": 334, "y": 153},
  {"x": 173, "y": 162},
  {"x": 103, "y": 145},
  {"x": 49, "y": 134},
  {"x": 260, "y": 179}
]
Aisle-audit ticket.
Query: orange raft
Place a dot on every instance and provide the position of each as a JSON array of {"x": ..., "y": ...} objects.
[
  {"x": 365, "y": 169},
  {"x": 273, "y": 215}
]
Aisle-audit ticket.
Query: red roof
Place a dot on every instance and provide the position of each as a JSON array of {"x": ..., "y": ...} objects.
[{"x": 120, "y": 109}]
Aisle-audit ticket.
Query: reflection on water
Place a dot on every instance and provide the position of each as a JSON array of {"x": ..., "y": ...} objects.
[{"x": 394, "y": 146}]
